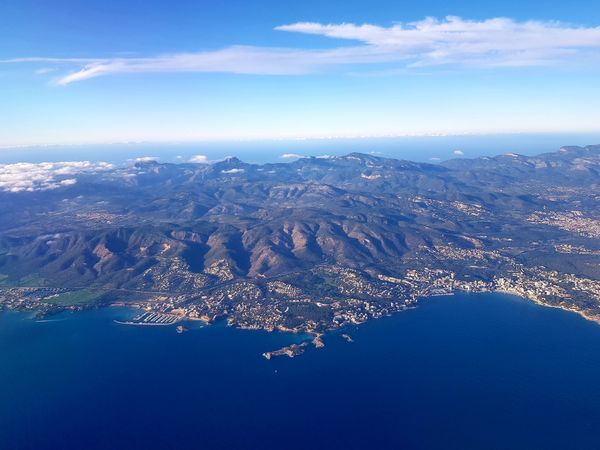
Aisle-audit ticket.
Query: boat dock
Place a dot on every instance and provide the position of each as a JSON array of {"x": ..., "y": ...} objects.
[{"x": 153, "y": 318}]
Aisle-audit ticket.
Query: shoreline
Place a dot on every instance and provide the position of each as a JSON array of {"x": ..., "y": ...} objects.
[
  {"x": 583, "y": 314},
  {"x": 314, "y": 334}
]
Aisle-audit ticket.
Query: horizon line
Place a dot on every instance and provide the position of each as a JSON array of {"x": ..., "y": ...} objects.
[{"x": 199, "y": 140}]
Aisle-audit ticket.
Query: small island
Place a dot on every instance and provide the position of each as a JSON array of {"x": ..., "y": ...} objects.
[
  {"x": 318, "y": 341},
  {"x": 290, "y": 351}
]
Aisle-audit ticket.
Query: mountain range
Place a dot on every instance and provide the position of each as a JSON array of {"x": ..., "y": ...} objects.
[{"x": 308, "y": 245}]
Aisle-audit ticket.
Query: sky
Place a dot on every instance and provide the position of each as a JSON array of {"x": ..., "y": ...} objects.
[{"x": 77, "y": 72}]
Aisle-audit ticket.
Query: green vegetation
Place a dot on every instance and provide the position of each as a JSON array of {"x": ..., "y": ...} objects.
[
  {"x": 28, "y": 281},
  {"x": 81, "y": 297},
  {"x": 32, "y": 280}
]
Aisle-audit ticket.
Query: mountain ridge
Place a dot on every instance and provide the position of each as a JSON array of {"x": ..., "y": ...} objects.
[{"x": 344, "y": 226}]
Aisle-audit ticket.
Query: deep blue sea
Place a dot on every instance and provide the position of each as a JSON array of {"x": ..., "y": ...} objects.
[{"x": 460, "y": 372}]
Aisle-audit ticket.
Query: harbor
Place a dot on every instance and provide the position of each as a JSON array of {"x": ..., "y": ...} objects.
[{"x": 152, "y": 319}]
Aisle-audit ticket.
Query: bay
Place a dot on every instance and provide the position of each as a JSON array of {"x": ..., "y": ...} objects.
[{"x": 459, "y": 372}]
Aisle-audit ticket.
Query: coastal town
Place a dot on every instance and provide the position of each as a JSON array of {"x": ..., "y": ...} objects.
[{"x": 349, "y": 296}]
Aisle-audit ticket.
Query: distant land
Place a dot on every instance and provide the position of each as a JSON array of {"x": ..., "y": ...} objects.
[
  {"x": 429, "y": 149},
  {"x": 307, "y": 246}
]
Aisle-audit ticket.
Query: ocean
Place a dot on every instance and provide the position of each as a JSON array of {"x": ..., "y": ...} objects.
[
  {"x": 469, "y": 371},
  {"x": 431, "y": 149}
]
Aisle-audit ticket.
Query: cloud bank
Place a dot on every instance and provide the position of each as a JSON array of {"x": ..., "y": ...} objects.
[
  {"x": 30, "y": 177},
  {"x": 495, "y": 42}
]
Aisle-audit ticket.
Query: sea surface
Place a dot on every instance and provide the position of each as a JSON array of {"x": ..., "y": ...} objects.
[
  {"x": 430, "y": 149},
  {"x": 461, "y": 372}
]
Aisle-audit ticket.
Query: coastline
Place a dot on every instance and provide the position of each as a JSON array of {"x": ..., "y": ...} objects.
[
  {"x": 311, "y": 337},
  {"x": 583, "y": 314}
]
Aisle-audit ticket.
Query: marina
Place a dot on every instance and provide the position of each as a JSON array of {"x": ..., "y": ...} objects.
[{"x": 152, "y": 319}]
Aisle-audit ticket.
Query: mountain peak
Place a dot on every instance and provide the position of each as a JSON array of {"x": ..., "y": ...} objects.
[{"x": 232, "y": 160}]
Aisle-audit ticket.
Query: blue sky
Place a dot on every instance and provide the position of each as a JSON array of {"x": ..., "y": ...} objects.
[{"x": 113, "y": 71}]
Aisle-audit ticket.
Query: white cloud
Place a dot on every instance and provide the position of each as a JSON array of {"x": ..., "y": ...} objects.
[
  {"x": 199, "y": 159},
  {"x": 458, "y": 152},
  {"x": 492, "y": 42},
  {"x": 451, "y": 41},
  {"x": 434, "y": 158},
  {"x": 238, "y": 59},
  {"x": 292, "y": 156},
  {"x": 232, "y": 171},
  {"x": 32, "y": 177},
  {"x": 144, "y": 159}
]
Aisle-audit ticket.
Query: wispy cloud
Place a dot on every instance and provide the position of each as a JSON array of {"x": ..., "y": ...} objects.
[
  {"x": 45, "y": 70},
  {"x": 458, "y": 152},
  {"x": 493, "y": 42},
  {"x": 30, "y": 177}
]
